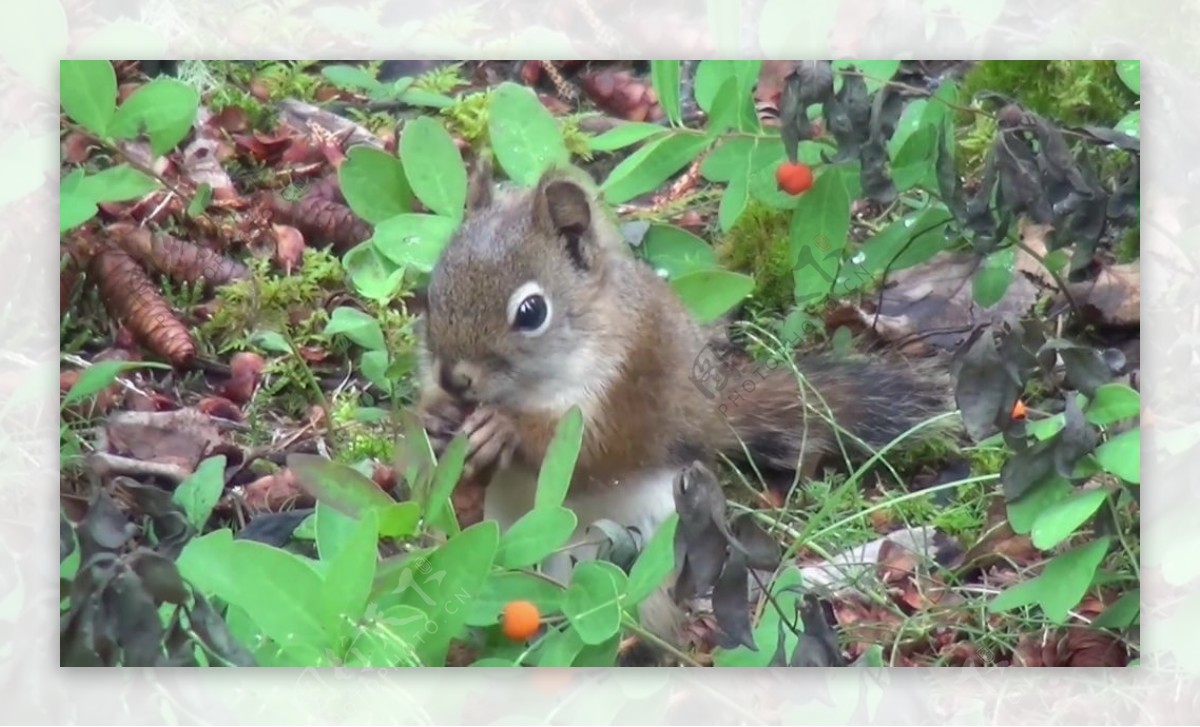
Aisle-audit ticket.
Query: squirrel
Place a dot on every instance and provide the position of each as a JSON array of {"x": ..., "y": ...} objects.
[{"x": 537, "y": 304}]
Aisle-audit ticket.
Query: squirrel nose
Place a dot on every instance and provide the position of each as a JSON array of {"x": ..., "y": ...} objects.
[{"x": 454, "y": 380}]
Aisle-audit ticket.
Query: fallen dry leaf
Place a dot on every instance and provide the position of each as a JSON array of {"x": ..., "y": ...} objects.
[
  {"x": 275, "y": 492},
  {"x": 180, "y": 438},
  {"x": 245, "y": 370},
  {"x": 289, "y": 247},
  {"x": 1115, "y": 295}
]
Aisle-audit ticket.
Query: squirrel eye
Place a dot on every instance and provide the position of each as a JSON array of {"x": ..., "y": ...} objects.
[{"x": 532, "y": 314}]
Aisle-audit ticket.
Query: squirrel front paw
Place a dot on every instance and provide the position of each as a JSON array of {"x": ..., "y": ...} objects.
[
  {"x": 491, "y": 440},
  {"x": 441, "y": 422}
]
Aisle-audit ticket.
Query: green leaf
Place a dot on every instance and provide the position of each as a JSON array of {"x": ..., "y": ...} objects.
[
  {"x": 622, "y": 136},
  {"x": 677, "y": 251},
  {"x": 74, "y": 209},
  {"x": 554, "y": 476},
  {"x": 504, "y": 587},
  {"x": 652, "y": 165},
  {"x": 89, "y": 93},
  {"x": 351, "y": 574},
  {"x": 664, "y": 76},
  {"x": 1113, "y": 402},
  {"x": 278, "y": 591},
  {"x": 910, "y": 120},
  {"x": 729, "y": 158},
  {"x": 1122, "y": 456},
  {"x": 392, "y": 637},
  {"x": 725, "y": 108},
  {"x": 1130, "y": 73},
  {"x": 199, "y": 493},
  {"x": 414, "y": 241},
  {"x": 1060, "y": 586},
  {"x": 445, "y": 584},
  {"x": 399, "y": 519},
  {"x": 710, "y": 294},
  {"x": 163, "y": 109},
  {"x": 374, "y": 184},
  {"x": 1057, "y": 522},
  {"x": 523, "y": 134},
  {"x": 820, "y": 226},
  {"x": 994, "y": 276},
  {"x": 912, "y": 163},
  {"x": 655, "y": 564},
  {"x": 116, "y": 184},
  {"x": 560, "y": 648},
  {"x": 351, "y": 78},
  {"x": 592, "y": 602},
  {"x": 536, "y": 535},
  {"x": 875, "y": 73},
  {"x": 98, "y": 376},
  {"x": 1122, "y": 614},
  {"x": 1130, "y": 123},
  {"x": 373, "y": 275},
  {"x": 438, "y": 510},
  {"x": 200, "y": 200},
  {"x": 434, "y": 167},
  {"x": 338, "y": 485},
  {"x": 357, "y": 326},
  {"x": 421, "y": 97},
  {"x": 1024, "y": 511},
  {"x": 766, "y": 632},
  {"x": 374, "y": 365},
  {"x": 332, "y": 528},
  {"x": 271, "y": 341}
]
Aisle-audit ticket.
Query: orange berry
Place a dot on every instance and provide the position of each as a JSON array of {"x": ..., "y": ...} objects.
[
  {"x": 520, "y": 620},
  {"x": 793, "y": 178},
  {"x": 1019, "y": 411}
]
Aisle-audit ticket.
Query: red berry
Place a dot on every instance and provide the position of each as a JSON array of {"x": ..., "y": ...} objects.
[{"x": 794, "y": 178}]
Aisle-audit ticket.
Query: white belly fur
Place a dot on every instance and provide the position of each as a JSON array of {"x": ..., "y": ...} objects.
[{"x": 643, "y": 502}]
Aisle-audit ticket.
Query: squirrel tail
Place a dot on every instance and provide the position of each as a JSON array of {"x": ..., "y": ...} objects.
[{"x": 837, "y": 406}]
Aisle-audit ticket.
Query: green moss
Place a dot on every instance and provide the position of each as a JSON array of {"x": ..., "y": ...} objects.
[
  {"x": 757, "y": 244},
  {"x": 1072, "y": 92},
  {"x": 1130, "y": 246}
]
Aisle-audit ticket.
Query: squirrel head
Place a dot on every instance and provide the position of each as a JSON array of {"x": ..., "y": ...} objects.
[{"x": 514, "y": 309}]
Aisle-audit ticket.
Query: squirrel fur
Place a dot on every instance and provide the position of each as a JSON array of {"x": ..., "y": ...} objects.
[{"x": 618, "y": 343}]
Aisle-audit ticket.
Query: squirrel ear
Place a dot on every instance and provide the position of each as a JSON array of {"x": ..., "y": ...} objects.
[
  {"x": 562, "y": 207},
  {"x": 479, "y": 183}
]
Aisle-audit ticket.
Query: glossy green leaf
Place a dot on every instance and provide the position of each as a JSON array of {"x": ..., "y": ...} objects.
[
  {"x": 438, "y": 509},
  {"x": 820, "y": 226},
  {"x": 391, "y": 638},
  {"x": 725, "y": 108},
  {"x": 728, "y": 158},
  {"x": 1122, "y": 614},
  {"x": 89, "y": 93},
  {"x": 445, "y": 584},
  {"x": 1122, "y": 456},
  {"x": 354, "y": 78},
  {"x": 351, "y": 574},
  {"x": 163, "y": 109},
  {"x": 1059, "y": 521},
  {"x": 1130, "y": 73},
  {"x": 536, "y": 535},
  {"x": 625, "y": 135},
  {"x": 338, "y": 485},
  {"x": 994, "y": 276},
  {"x": 523, "y": 134},
  {"x": 374, "y": 184},
  {"x": 201, "y": 491},
  {"x": 1112, "y": 403},
  {"x": 1061, "y": 585},
  {"x": 1131, "y": 124},
  {"x": 875, "y": 73},
  {"x": 655, "y": 563},
  {"x": 358, "y": 326},
  {"x": 710, "y": 294},
  {"x": 504, "y": 587},
  {"x": 373, "y": 275},
  {"x": 554, "y": 476},
  {"x": 74, "y": 209},
  {"x": 374, "y": 366},
  {"x": 414, "y": 241},
  {"x": 1025, "y": 510},
  {"x": 116, "y": 184},
  {"x": 592, "y": 602},
  {"x": 332, "y": 528},
  {"x": 651, "y": 165},
  {"x": 911, "y": 119},
  {"x": 560, "y": 648},
  {"x": 723, "y": 89},
  {"x": 677, "y": 251},
  {"x": 434, "y": 167},
  {"x": 664, "y": 77}
]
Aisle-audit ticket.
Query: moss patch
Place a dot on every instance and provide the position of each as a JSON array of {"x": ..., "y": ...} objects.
[
  {"x": 757, "y": 244},
  {"x": 1073, "y": 92}
]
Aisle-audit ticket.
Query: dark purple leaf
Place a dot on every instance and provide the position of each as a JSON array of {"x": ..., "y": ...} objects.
[{"x": 159, "y": 576}]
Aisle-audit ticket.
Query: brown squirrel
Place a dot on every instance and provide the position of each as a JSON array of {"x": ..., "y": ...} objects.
[{"x": 538, "y": 304}]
